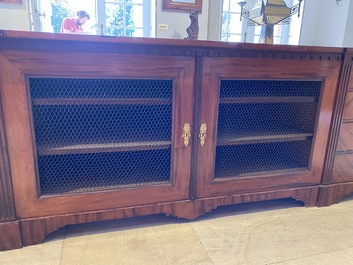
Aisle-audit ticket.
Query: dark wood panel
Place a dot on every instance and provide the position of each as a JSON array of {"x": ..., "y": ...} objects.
[
  {"x": 34, "y": 230},
  {"x": 63, "y": 42},
  {"x": 348, "y": 61},
  {"x": 346, "y": 82},
  {"x": 348, "y": 107},
  {"x": 7, "y": 208},
  {"x": 12, "y": 80},
  {"x": 345, "y": 139},
  {"x": 54, "y": 64},
  {"x": 10, "y": 236},
  {"x": 331, "y": 194},
  {"x": 342, "y": 168}
]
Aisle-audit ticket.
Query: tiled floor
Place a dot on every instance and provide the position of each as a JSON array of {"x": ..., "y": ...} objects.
[{"x": 273, "y": 232}]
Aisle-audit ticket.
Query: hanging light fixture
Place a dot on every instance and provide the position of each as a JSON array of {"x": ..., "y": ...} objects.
[{"x": 270, "y": 13}]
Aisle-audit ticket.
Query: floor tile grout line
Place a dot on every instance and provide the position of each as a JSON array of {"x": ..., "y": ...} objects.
[
  {"x": 347, "y": 253},
  {"x": 200, "y": 242},
  {"x": 62, "y": 246}
]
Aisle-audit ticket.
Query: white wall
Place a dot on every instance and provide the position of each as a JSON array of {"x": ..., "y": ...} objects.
[
  {"x": 325, "y": 23},
  {"x": 348, "y": 35},
  {"x": 214, "y": 19},
  {"x": 14, "y": 16}
]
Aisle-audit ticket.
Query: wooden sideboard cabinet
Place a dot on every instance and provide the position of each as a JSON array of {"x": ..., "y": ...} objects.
[{"x": 97, "y": 128}]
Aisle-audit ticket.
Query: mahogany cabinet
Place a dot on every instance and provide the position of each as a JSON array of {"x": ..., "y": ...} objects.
[{"x": 98, "y": 128}]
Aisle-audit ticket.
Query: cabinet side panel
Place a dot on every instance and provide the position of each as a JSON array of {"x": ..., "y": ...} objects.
[
  {"x": 348, "y": 107},
  {"x": 343, "y": 168},
  {"x": 10, "y": 236},
  {"x": 346, "y": 82},
  {"x": 338, "y": 175},
  {"x": 7, "y": 208},
  {"x": 345, "y": 139}
]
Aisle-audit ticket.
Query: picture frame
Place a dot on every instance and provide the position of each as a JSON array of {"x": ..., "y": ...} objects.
[
  {"x": 11, "y": 1},
  {"x": 182, "y": 5}
]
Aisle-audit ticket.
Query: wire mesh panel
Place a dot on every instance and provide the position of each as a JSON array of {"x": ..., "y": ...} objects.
[
  {"x": 102, "y": 171},
  {"x": 265, "y": 126},
  {"x": 99, "y": 134}
]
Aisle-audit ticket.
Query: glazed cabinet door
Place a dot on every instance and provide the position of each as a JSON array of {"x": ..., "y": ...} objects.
[
  {"x": 97, "y": 131},
  {"x": 263, "y": 125}
]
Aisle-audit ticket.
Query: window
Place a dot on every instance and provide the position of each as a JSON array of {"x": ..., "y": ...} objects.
[
  {"x": 234, "y": 29},
  {"x": 126, "y": 17},
  {"x": 130, "y": 18}
]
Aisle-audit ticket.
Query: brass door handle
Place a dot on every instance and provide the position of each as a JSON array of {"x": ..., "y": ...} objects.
[
  {"x": 186, "y": 134},
  {"x": 203, "y": 133}
]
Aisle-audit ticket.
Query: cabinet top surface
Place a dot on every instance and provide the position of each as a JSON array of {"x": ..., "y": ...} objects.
[{"x": 24, "y": 36}]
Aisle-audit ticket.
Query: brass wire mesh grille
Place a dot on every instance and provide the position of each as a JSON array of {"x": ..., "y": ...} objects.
[
  {"x": 100, "y": 134},
  {"x": 265, "y": 126}
]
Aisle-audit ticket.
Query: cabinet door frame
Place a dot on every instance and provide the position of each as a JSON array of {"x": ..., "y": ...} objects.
[
  {"x": 18, "y": 65},
  {"x": 216, "y": 69}
]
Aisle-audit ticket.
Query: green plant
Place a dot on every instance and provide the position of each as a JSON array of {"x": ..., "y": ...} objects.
[
  {"x": 60, "y": 10},
  {"x": 119, "y": 20}
]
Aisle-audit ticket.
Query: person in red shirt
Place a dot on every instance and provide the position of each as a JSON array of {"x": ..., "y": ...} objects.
[{"x": 74, "y": 24}]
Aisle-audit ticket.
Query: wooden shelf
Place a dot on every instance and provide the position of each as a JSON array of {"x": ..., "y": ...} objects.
[
  {"x": 253, "y": 139},
  {"x": 88, "y": 187},
  {"x": 260, "y": 100},
  {"x": 102, "y": 101},
  {"x": 101, "y": 147},
  {"x": 261, "y": 170}
]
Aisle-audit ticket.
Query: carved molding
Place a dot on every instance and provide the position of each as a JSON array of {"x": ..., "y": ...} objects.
[
  {"x": 337, "y": 118},
  {"x": 332, "y": 194},
  {"x": 34, "y": 230},
  {"x": 235, "y": 51},
  {"x": 7, "y": 208}
]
